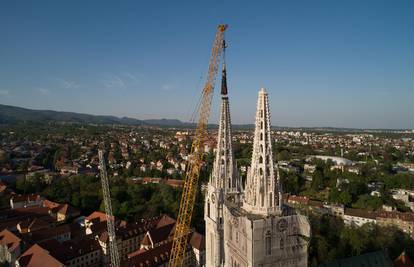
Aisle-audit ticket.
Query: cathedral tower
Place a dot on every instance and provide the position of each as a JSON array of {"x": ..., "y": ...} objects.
[
  {"x": 223, "y": 184},
  {"x": 260, "y": 231},
  {"x": 262, "y": 194}
]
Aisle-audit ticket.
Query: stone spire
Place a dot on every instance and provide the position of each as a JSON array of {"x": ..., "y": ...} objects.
[
  {"x": 223, "y": 185},
  {"x": 262, "y": 194},
  {"x": 224, "y": 173}
]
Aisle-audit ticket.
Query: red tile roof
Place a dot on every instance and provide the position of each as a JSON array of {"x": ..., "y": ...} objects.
[
  {"x": 403, "y": 261},
  {"x": 158, "y": 255},
  {"x": 3, "y": 187},
  {"x": 162, "y": 233},
  {"x": 30, "y": 197},
  {"x": 165, "y": 220},
  {"x": 96, "y": 215},
  {"x": 360, "y": 213},
  {"x": 50, "y": 204},
  {"x": 37, "y": 256},
  {"x": 298, "y": 199},
  {"x": 198, "y": 241},
  {"x": 10, "y": 240}
]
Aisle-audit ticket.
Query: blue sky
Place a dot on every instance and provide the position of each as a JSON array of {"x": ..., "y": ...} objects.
[{"x": 324, "y": 63}]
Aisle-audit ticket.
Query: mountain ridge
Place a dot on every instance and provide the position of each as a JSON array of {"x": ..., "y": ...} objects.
[{"x": 12, "y": 114}]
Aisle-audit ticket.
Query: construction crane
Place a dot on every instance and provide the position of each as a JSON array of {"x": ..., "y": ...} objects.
[
  {"x": 182, "y": 230},
  {"x": 110, "y": 219}
]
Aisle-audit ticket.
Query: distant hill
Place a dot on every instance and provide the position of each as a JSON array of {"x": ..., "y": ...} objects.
[{"x": 12, "y": 114}]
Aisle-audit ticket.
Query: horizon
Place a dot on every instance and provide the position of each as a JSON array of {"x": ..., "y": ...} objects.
[
  {"x": 324, "y": 64},
  {"x": 216, "y": 124}
]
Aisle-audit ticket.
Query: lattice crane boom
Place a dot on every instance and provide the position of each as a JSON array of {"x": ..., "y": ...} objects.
[
  {"x": 188, "y": 197},
  {"x": 110, "y": 219}
]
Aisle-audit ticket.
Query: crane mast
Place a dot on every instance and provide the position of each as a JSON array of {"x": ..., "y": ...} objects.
[
  {"x": 110, "y": 219},
  {"x": 188, "y": 197}
]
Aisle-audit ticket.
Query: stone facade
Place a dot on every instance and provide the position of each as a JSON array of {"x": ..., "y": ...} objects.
[
  {"x": 254, "y": 227},
  {"x": 223, "y": 184}
]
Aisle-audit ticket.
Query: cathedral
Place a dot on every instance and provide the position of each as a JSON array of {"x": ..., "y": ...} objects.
[{"x": 248, "y": 225}]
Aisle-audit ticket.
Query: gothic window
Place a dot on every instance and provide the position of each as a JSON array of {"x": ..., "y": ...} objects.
[
  {"x": 261, "y": 136},
  {"x": 261, "y": 171},
  {"x": 212, "y": 245},
  {"x": 262, "y": 199},
  {"x": 282, "y": 243},
  {"x": 261, "y": 159},
  {"x": 261, "y": 148},
  {"x": 268, "y": 243},
  {"x": 270, "y": 199},
  {"x": 261, "y": 125},
  {"x": 208, "y": 208},
  {"x": 261, "y": 113},
  {"x": 230, "y": 232},
  {"x": 222, "y": 161}
]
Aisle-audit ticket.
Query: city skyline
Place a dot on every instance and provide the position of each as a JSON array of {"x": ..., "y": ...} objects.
[{"x": 323, "y": 64}]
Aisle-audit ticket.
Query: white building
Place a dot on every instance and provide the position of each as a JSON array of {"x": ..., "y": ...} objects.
[
  {"x": 259, "y": 230},
  {"x": 223, "y": 185}
]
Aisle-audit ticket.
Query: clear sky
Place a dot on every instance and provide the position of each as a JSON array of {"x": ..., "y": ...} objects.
[{"x": 324, "y": 63}]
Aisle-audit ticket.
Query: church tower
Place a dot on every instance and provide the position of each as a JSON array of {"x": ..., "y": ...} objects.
[
  {"x": 262, "y": 194},
  {"x": 223, "y": 184},
  {"x": 261, "y": 231}
]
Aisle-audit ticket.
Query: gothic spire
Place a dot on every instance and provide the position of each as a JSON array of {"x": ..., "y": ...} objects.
[
  {"x": 224, "y": 173},
  {"x": 261, "y": 193}
]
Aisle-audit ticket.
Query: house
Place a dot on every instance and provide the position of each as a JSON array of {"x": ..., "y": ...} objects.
[
  {"x": 68, "y": 170},
  {"x": 403, "y": 261},
  {"x": 29, "y": 225},
  {"x": 128, "y": 237},
  {"x": 23, "y": 201},
  {"x": 37, "y": 256},
  {"x": 402, "y": 220},
  {"x": 358, "y": 217},
  {"x": 198, "y": 244},
  {"x": 86, "y": 252},
  {"x": 298, "y": 200},
  {"x": 3, "y": 188},
  {"x": 60, "y": 233},
  {"x": 156, "y": 257},
  {"x": 10, "y": 248},
  {"x": 64, "y": 212}
]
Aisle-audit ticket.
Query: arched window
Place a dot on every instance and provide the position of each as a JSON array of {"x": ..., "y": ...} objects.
[
  {"x": 261, "y": 159},
  {"x": 208, "y": 208},
  {"x": 261, "y": 136},
  {"x": 282, "y": 243},
  {"x": 270, "y": 199},
  {"x": 262, "y": 195},
  {"x": 268, "y": 243},
  {"x": 230, "y": 231},
  {"x": 261, "y": 171}
]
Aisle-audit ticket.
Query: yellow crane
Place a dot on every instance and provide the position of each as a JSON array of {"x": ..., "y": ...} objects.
[{"x": 188, "y": 196}]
